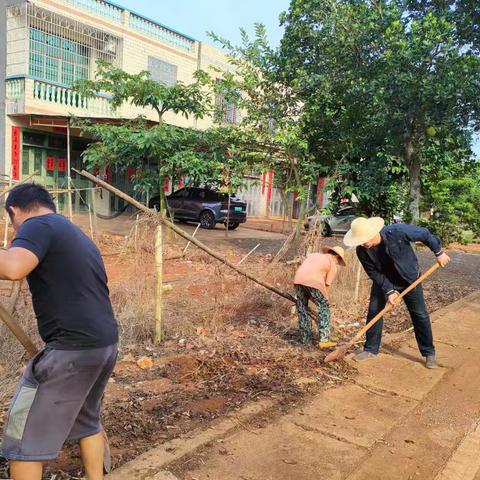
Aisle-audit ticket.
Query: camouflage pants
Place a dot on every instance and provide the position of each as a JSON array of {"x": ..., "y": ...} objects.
[{"x": 324, "y": 323}]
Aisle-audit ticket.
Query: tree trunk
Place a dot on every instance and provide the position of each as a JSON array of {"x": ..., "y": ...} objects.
[{"x": 414, "y": 166}]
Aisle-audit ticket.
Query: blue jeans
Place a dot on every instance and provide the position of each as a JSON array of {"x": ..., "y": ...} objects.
[{"x": 415, "y": 303}]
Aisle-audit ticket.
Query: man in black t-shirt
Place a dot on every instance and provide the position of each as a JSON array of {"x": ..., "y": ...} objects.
[{"x": 59, "y": 395}]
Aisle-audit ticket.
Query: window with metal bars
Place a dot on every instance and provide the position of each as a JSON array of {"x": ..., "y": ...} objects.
[
  {"x": 63, "y": 50},
  {"x": 57, "y": 59}
]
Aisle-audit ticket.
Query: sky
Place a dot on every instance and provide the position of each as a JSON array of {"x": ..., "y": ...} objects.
[{"x": 224, "y": 17}]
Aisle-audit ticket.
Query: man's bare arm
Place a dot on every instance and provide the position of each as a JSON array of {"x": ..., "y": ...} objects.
[{"x": 16, "y": 263}]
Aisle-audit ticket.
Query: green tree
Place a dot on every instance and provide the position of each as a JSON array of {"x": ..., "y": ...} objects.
[
  {"x": 456, "y": 208},
  {"x": 380, "y": 80},
  {"x": 219, "y": 156},
  {"x": 271, "y": 113}
]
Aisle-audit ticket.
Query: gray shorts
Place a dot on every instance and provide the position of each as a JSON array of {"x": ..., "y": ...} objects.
[{"x": 58, "y": 399}]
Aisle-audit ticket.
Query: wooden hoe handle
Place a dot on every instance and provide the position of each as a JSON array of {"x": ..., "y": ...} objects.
[{"x": 389, "y": 307}]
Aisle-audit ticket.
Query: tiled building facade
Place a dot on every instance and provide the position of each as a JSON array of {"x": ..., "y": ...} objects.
[{"x": 45, "y": 46}]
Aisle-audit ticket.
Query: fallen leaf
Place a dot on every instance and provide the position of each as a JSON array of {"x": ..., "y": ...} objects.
[{"x": 145, "y": 363}]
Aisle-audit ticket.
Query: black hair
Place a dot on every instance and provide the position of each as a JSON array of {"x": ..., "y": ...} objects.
[{"x": 28, "y": 197}]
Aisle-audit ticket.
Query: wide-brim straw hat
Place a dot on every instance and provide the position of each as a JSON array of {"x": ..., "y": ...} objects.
[
  {"x": 362, "y": 230},
  {"x": 338, "y": 250}
]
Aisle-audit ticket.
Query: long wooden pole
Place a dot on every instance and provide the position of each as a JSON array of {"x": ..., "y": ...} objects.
[
  {"x": 69, "y": 175},
  {"x": 185, "y": 235},
  {"x": 21, "y": 336},
  {"x": 90, "y": 222},
  {"x": 159, "y": 284},
  {"x": 357, "y": 282}
]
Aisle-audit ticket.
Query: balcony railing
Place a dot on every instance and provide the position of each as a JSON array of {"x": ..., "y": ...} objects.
[
  {"x": 101, "y": 8},
  {"x": 15, "y": 96},
  {"x": 113, "y": 12},
  {"x": 66, "y": 96},
  {"x": 19, "y": 96},
  {"x": 160, "y": 32}
]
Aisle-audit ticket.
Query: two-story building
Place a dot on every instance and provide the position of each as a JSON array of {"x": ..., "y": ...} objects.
[{"x": 45, "y": 46}]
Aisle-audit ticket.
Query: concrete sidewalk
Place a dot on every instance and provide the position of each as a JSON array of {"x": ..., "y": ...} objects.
[{"x": 398, "y": 420}]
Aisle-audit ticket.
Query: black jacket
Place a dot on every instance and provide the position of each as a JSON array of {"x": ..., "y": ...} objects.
[{"x": 397, "y": 239}]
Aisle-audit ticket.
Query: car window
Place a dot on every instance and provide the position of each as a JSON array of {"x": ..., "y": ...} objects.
[
  {"x": 212, "y": 196},
  {"x": 182, "y": 193},
  {"x": 343, "y": 212},
  {"x": 199, "y": 195},
  {"x": 194, "y": 194}
]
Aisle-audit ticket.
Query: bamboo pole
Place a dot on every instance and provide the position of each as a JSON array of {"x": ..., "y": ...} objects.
[
  {"x": 16, "y": 289},
  {"x": 92, "y": 203},
  {"x": 357, "y": 281},
  {"x": 185, "y": 235},
  {"x": 159, "y": 284},
  {"x": 69, "y": 175},
  {"x": 135, "y": 235},
  {"x": 248, "y": 254},
  {"x": 228, "y": 215},
  {"x": 189, "y": 243},
  {"x": 19, "y": 333},
  {"x": 90, "y": 222}
]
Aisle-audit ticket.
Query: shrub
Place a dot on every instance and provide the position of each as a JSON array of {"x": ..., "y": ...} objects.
[{"x": 456, "y": 210}]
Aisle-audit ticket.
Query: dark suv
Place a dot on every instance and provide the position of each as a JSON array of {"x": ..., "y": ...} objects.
[{"x": 205, "y": 206}]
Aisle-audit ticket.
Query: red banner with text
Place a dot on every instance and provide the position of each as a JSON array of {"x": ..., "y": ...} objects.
[{"x": 16, "y": 153}]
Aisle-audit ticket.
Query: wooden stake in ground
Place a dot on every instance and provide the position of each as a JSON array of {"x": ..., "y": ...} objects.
[
  {"x": 357, "y": 281},
  {"x": 340, "y": 352},
  {"x": 185, "y": 235},
  {"x": 90, "y": 222},
  {"x": 135, "y": 235},
  {"x": 159, "y": 284}
]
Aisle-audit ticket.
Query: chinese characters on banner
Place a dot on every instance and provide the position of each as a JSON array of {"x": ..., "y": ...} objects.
[
  {"x": 62, "y": 165},
  {"x": 50, "y": 163},
  {"x": 15, "y": 153}
]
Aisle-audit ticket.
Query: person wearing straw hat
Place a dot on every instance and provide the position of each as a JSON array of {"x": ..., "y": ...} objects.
[
  {"x": 390, "y": 261},
  {"x": 312, "y": 280}
]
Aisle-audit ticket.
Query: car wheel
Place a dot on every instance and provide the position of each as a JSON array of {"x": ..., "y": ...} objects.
[
  {"x": 207, "y": 220},
  {"x": 232, "y": 225},
  {"x": 326, "y": 230}
]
